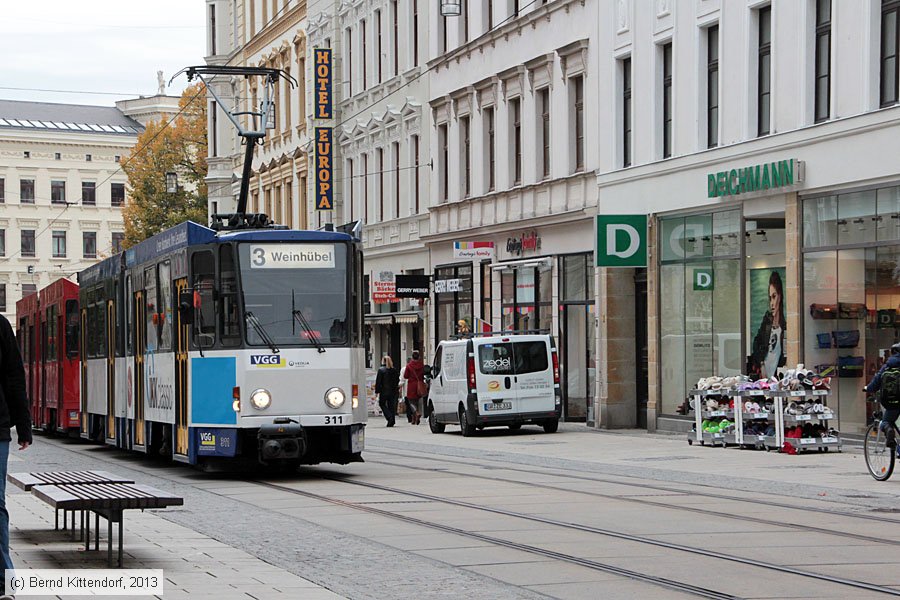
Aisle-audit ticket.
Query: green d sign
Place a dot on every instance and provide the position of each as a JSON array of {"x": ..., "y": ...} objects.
[
  {"x": 703, "y": 279},
  {"x": 622, "y": 240}
]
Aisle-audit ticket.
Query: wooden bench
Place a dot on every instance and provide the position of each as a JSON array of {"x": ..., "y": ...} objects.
[
  {"x": 26, "y": 481},
  {"x": 108, "y": 500}
]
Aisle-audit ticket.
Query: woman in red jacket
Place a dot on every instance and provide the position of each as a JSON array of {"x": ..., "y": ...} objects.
[{"x": 414, "y": 374}]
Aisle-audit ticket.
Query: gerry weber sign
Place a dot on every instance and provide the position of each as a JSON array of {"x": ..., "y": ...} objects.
[{"x": 755, "y": 179}]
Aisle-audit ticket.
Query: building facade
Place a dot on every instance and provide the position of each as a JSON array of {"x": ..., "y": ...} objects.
[
  {"x": 61, "y": 189},
  {"x": 514, "y": 194},
  {"x": 759, "y": 138}
]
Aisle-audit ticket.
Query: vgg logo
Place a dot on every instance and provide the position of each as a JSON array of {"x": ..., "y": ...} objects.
[{"x": 270, "y": 360}]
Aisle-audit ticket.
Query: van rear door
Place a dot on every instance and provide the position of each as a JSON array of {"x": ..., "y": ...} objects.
[
  {"x": 533, "y": 380},
  {"x": 495, "y": 379}
]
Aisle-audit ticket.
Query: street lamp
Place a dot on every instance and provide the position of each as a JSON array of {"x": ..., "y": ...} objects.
[
  {"x": 172, "y": 182},
  {"x": 451, "y": 8}
]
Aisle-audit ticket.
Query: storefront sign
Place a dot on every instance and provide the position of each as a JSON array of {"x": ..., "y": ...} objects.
[
  {"x": 479, "y": 250},
  {"x": 411, "y": 286},
  {"x": 703, "y": 279},
  {"x": 383, "y": 287},
  {"x": 526, "y": 242},
  {"x": 324, "y": 175},
  {"x": 757, "y": 178},
  {"x": 447, "y": 286},
  {"x": 621, "y": 240},
  {"x": 323, "y": 83}
]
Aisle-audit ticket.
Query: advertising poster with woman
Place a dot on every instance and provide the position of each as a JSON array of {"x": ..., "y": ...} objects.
[{"x": 767, "y": 321}]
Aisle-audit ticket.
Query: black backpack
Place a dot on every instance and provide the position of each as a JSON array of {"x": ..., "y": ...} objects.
[{"x": 890, "y": 387}]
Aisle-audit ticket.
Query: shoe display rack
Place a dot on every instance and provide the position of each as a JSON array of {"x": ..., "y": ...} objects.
[{"x": 764, "y": 419}]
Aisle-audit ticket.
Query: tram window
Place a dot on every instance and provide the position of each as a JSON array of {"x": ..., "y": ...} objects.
[
  {"x": 164, "y": 320},
  {"x": 129, "y": 316},
  {"x": 72, "y": 320},
  {"x": 51, "y": 333},
  {"x": 151, "y": 302},
  {"x": 203, "y": 273},
  {"x": 228, "y": 300}
]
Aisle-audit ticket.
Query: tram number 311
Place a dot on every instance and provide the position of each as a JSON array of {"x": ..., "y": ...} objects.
[{"x": 334, "y": 419}]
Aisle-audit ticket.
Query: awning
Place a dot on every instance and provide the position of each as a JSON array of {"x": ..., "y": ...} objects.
[
  {"x": 407, "y": 318},
  {"x": 379, "y": 319},
  {"x": 526, "y": 262}
]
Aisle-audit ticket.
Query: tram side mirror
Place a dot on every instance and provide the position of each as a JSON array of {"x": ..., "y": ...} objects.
[
  {"x": 186, "y": 306},
  {"x": 72, "y": 330}
]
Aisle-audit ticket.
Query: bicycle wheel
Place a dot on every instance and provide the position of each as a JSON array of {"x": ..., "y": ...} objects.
[{"x": 879, "y": 455}]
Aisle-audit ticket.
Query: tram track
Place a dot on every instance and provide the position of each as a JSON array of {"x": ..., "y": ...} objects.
[
  {"x": 654, "y": 503},
  {"x": 568, "y": 558},
  {"x": 860, "y": 585},
  {"x": 645, "y": 486}
]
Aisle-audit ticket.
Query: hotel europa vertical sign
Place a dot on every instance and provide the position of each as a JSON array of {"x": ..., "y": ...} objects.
[
  {"x": 324, "y": 169},
  {"x": 323, "y": 83},
  {"x": 324, "y": 136}
]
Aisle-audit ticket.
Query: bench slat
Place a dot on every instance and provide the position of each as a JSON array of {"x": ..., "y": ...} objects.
[
  {"x": 26, "y": 481},
  {"x": 105, "y": 496}
]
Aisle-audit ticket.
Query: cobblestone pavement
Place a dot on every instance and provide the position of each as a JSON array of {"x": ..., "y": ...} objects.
[{"x": 239, "y": 536}]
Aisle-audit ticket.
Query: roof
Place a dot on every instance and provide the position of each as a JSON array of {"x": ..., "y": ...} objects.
[
  {"x": 77, "y": 118},
  {"x": 283, "y": 235}
]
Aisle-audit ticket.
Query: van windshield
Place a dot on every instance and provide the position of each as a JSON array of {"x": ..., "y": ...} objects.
[{"x": 513, "y": 358}]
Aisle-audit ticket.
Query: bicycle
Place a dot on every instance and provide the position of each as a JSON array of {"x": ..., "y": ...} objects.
[{"x": 880, "y": 446}]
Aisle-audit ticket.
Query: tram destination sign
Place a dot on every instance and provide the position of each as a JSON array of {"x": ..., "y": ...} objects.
[
  {"x": 755, "y": 179},
  {"x": 292, "y": 256}
]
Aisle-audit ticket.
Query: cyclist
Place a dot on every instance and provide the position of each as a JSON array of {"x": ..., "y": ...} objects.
[{"x": 892, "y": 413}]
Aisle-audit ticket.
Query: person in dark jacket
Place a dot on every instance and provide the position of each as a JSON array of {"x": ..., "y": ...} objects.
[
  {"x": 415, "y": 382},
  {"x": 893, "y": 362},
  {"x": 387, "y": 385},
  {"x": 14, "y": 412}
]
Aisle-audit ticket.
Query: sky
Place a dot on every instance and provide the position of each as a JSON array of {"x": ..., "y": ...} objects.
[{"x": 112, "y": 46}]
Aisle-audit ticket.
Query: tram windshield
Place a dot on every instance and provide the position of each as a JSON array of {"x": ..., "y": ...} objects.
[{"x": 284, "y": 279}]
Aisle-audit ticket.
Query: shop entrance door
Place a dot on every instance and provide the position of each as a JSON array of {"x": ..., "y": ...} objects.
[{"x": 640, "y": 345}]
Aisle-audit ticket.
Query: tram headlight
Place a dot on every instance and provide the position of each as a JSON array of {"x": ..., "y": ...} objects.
[
  {"x": 335, "y": 397},
  {"x": 261, "y": 399}
]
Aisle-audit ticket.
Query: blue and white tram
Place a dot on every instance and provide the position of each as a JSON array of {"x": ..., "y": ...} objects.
[{"x": 205, "y": 346}]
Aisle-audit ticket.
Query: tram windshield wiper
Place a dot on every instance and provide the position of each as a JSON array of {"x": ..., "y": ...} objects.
[
  {"x": 312, "y": 335},
  {"x": 261, "y": 331}
]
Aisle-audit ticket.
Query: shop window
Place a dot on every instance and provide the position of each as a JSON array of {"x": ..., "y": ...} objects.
[
  {"x": 456, "y": 302},
  {"x": 856, "y": 214},
  {"x": 576, "y": 340},
  {"x": 820, "y": 222},
  {"x": 486, "y": 292},
  {"x": 700, "y": 321}
]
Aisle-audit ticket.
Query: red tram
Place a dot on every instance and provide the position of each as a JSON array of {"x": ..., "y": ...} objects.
[{"x": 47, "y": 324}]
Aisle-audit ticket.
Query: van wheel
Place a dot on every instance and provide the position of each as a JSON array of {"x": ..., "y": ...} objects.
[
  {"x": 515, "y": 427},
  {"x": 433, "y": 423},
  {"x": 551, "y": 426},
  {"x": 467, "y": 430}
]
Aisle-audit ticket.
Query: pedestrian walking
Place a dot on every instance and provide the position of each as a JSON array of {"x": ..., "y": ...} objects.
[
  {"x": 414, "y": 374},
  {"x": 14, "y": 412},
  {"x": 387, "y": 384}
]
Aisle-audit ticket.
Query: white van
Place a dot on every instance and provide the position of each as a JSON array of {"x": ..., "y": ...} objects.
[{"x": 498, "y": 380}]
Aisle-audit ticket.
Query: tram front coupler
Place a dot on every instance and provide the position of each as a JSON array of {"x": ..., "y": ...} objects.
[{"x": 281, "y": 441}]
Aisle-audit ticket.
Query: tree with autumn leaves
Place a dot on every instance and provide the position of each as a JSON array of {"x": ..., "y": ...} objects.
[{"x": 178, "y": 147}]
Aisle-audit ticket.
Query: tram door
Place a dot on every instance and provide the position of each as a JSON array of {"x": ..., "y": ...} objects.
[
  {"x": 84, "y": 363},
  {"x": 110, "y": 369},
  {"x": 140, "y": 346},
  {"x": 182, "y": 335}
]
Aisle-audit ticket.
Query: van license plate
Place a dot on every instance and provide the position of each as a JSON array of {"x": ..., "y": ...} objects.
[{"x": 498, "y": 406}]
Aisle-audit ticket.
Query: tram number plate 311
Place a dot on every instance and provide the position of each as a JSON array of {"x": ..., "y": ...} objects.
[{"x": 312, "y": 420}]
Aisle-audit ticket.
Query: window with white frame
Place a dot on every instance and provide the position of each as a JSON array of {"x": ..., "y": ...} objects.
[
  {"x": 543, "y": 131},
  {"x": 712, "y": 86},
  {"x": 515, "y": 146},
  {"x": 625, "y": 66},
  {"x": 395, "y": 159},
  {"x": 490, "y": 148},
  {"x": 666, "y": 98},
  {"x": 465, "y": 162},
  {"x": 444, "y": 162},
  {"x": 822, "y": 99},
  {"x": 576, "y": 92},
  {"x": 764, "y": 71}
]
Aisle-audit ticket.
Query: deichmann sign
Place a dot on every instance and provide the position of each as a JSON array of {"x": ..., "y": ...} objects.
[
  {"x": 703, "y": 279},
  {"x": 324, "y": 174},
  {"x": 323, "y": 82},
  {"x": 621, "y": 240},
  {"x": 411, "y": 286},
  {"x": 756, "y": 178}
]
